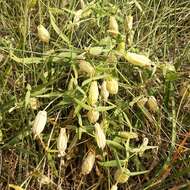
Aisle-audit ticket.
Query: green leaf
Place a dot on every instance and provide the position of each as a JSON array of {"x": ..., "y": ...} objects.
[
  {"x": 49, "y": 95},
  {"x": 27, "y": 60},
  {"x": 104, "y": 108},
  {"x": 64, "y": 55},
  {"x": 112, "y": 163},
  {"x": 138, "y": 173},
  {"x": 83, "y": 105},
  {"x": 115, "y": 145}
]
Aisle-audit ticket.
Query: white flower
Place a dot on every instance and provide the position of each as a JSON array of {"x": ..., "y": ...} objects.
[
  {"x": 93, "y": 93},
  {"x": 43, "y": 34},
  {"x": 114, "y": 187},
  {"x": 39, "y": 123},
  {"x": 113, "y": 26},
  {"x": 152, "y": 104},
  {"x": 93, "y": 116},
  {"x": 112, "y": 86},
  {"x": 138, "y": 60},
  {"x": 86, "y": 67},
  {"x": 62, "y": 142},
  {"x": 104, "y": 92},
  {"x": 88, "y": 163},
  {"x": 100, "y": 136}
]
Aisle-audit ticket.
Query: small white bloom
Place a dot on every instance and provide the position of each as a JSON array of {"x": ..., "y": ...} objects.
[
  {"x": 100, "y": 136},
  {"x": 93, "y": 93},
  {"x": 88, "y": 163},
  {"x": 122, "y": 175},
  {"x": 43, "y": 34},
  {"x": 104, "y": 91},
  {"x": 86, "y": 67},
  {"x": 112, "y": 86},
  {"x": 152, "y": 104},
  {"x": 62, "y": 142},
  {"x": 39, "y": 123},
  {"x": 138, "y": 60},
  {"x": 113, "y": 26},
  {"x": 114, "y": 187},
  {"x": 93, "y": 116}
]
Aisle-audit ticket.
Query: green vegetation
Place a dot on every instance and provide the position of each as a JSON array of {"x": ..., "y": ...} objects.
[{"x": 94, "y": 94}]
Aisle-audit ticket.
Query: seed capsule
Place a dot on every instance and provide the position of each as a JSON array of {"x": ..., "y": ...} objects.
[
  {"x": 93, "y": 116},
  {"x": 122, "y": 175},
  {"x": 113, "y": 26},
  {"x": 86, "y": 67},
  {"x": 39, "y": 123},
  {"x": 62, "y": 142},
  {"x": 152, "y": 104},
  {"x": 112, "y": 86},
  {"x": 104, "y": 92},
  {"x": 93, "y": 93},
  {"x": 114, "y": 187},
  {"x": 43, "y": 34},
  {"x": 138, "y": 60},
  {"x": 88, "y": 163},
  {"x": 100, "y": 136}
]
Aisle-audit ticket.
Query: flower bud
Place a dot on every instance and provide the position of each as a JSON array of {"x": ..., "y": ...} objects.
[
  {"x": 93, "y": 116},
  {"x": 112, "y": 86},
  {"x": 104, "y": 92},
  {"x": 128, "y": 23},
  {"x": 86, "y": 67},
  {"x": 39, "y": 123},
  {"x": 62, "y": 142},
  {"x": 34, "y": 103},
  {"x": 152, "y": 104},
  {"x": 43, "y": 34},
  {"x": 114, "y": 187},
  {"x": 88, "y": 163},
  {"x": 122, "y": 175},
  {"x": 93, "y": 93},
  {"x": 138, "y": 60},
  {"x": 113, "y": 26},
  {"x": 100, "y": 136},
  {"x": 95, "y": 51}
]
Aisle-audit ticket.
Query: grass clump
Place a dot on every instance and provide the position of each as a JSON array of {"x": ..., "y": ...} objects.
[{"x": 111, "y": 77}]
